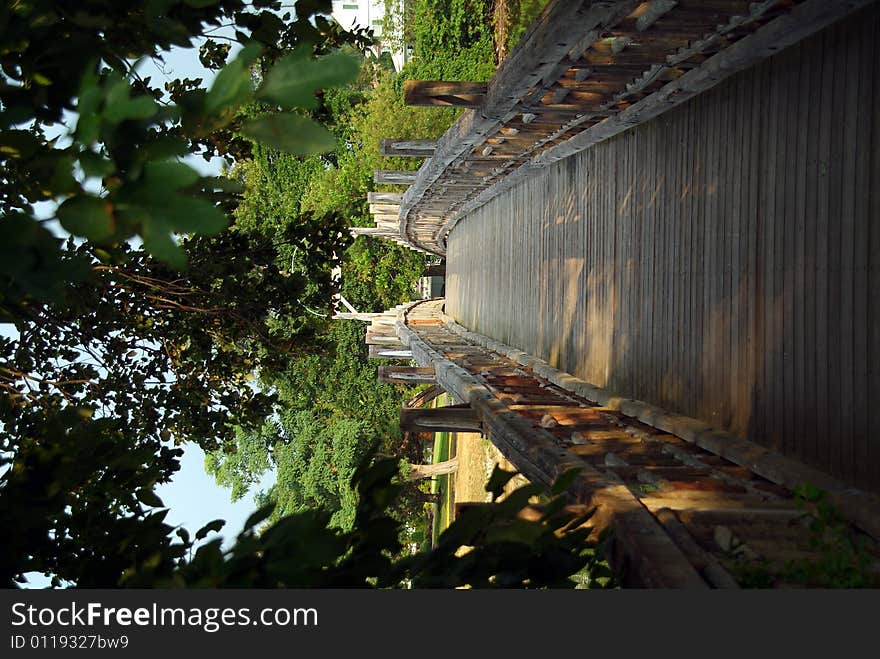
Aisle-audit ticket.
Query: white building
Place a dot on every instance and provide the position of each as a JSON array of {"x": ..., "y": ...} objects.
[{"x": 365, "y": 13}]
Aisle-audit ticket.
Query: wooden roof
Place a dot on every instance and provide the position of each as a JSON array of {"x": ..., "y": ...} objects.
[{"x": 585, "y": 72}]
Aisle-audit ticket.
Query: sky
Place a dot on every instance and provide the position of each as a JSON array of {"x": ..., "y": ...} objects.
[{"x": 192, "y": 497}]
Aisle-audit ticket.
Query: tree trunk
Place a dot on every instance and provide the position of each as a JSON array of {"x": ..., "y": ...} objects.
[
  {"x": 452, "y": 418},
  {"x": 418, "y": 472}
]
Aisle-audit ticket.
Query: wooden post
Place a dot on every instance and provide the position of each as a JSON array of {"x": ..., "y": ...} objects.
[
  {"x": 376, "y": 318},
  {"x": 385, "y": 198},
  {"x": 408, "y": 375},
  {"x": 389, "y": 340},
  {"x": 407, "y": 148},
  {"x": 373, "y": 231},
  {"x": 532, "y": 512},
  {"x": 440, "y": 93},
  {"x": 439, "y": 419},
  {"x": 418, "y": 472},
  {"x": 383, "y": 352},
  {"x": 394, "y": 177},
  {"x": 385, "y": 209}
]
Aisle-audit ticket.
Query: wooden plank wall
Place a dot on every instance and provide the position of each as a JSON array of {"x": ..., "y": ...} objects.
[{"x": 722, "y": 261}]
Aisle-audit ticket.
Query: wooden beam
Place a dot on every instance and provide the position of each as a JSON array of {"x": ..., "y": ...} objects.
[
  {"x": 370, "y": 231},
  {"x": 439, "y": 419},
  {"x": 542, "y": 50},
  {"x": 384, "y": 198},
  {"x": 802, "y": 21},
  {"x": 379, "y": 318},
  {"x": 639, "y": 544},
  {"x": 384, "y": 209},
  {"x": 381, "y": 352},
  {"x": 706, "y": 564},
  {"x": 394, "y": 176},
  {"x": 408, "y": 375},
  {"x": 401, "y": 148},
  {"x": 653, "y": 13},
  {"x": 438, "y": 93},
  {"x": 388, "y": 340}
]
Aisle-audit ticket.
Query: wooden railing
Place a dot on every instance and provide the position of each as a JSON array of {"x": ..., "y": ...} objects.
[
  {"x": 688, "y": 506},
  {"x": 584, "y": 72}
]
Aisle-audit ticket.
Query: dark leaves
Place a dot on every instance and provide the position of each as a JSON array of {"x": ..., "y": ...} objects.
[
  {"x": 290, "y": 132},
  {"x": 211, "y": 527},
  {"x": 293, "y": 80}
]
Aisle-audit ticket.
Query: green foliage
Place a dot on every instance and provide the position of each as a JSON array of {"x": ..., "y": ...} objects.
[
  {"x": 397, "y": 31},
  {"x": 361, "y": 127},
  {"x": 238, "y": 466},
  {"x": 305, "y": 549},
  {"x": 77, "y": 492},
  {"x": 377, "y": 276},
  {"x": 289, "y": 132},
  {"x": 845, "y": 557},
  {"x": 61, "y": 58},
  {"x": 508, "y": 551},
  {"x": 452, "y": 40},
  {"x": 315, "y": 461},
  {"x": 522, "y": 13},
  {"x": 331, "y": 408},
  {"x": 322, "y": 398},
  {"x": 293, "y": 79},
  {"x": 123, "y": 351}
]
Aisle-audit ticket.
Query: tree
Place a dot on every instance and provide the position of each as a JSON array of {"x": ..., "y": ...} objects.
[
  {"x": 330, "y": 409},
  {"x": 79, "y": 57},
  {"x": 304, "y": 550},
  {"x": 123, "y": 350}
]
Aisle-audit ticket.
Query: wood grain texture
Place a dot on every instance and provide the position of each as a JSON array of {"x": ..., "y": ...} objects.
[{"x": 721, "y": 260}]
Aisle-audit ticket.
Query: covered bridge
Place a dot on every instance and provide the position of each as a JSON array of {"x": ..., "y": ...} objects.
[{"x": 669, "y": 210}]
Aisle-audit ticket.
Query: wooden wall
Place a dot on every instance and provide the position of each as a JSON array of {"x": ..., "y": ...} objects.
[{"x": 722, "y": 261}]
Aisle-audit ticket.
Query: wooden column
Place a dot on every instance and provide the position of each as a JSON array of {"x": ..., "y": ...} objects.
[
  {"x": 384, "y": 352},
  {"x": 385, "y": 198},
  {"x": 439, "y": 419},
  {"x": 652, "y": 12},
  {"x": 389, "y": 339},
  {"x": 394, "y": 176},
  {"x": 408, "y": 148},
  {"x": 408, "y": 375},
  {"x": 378, "y": 232},
  {"x": 440, "y": 93},
  {"x": 384, "y": 209},
  {"x": 376, "y": 318}
]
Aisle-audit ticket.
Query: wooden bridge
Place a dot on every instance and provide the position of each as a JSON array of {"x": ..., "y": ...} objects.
[{"x": 661, "y": 224}]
